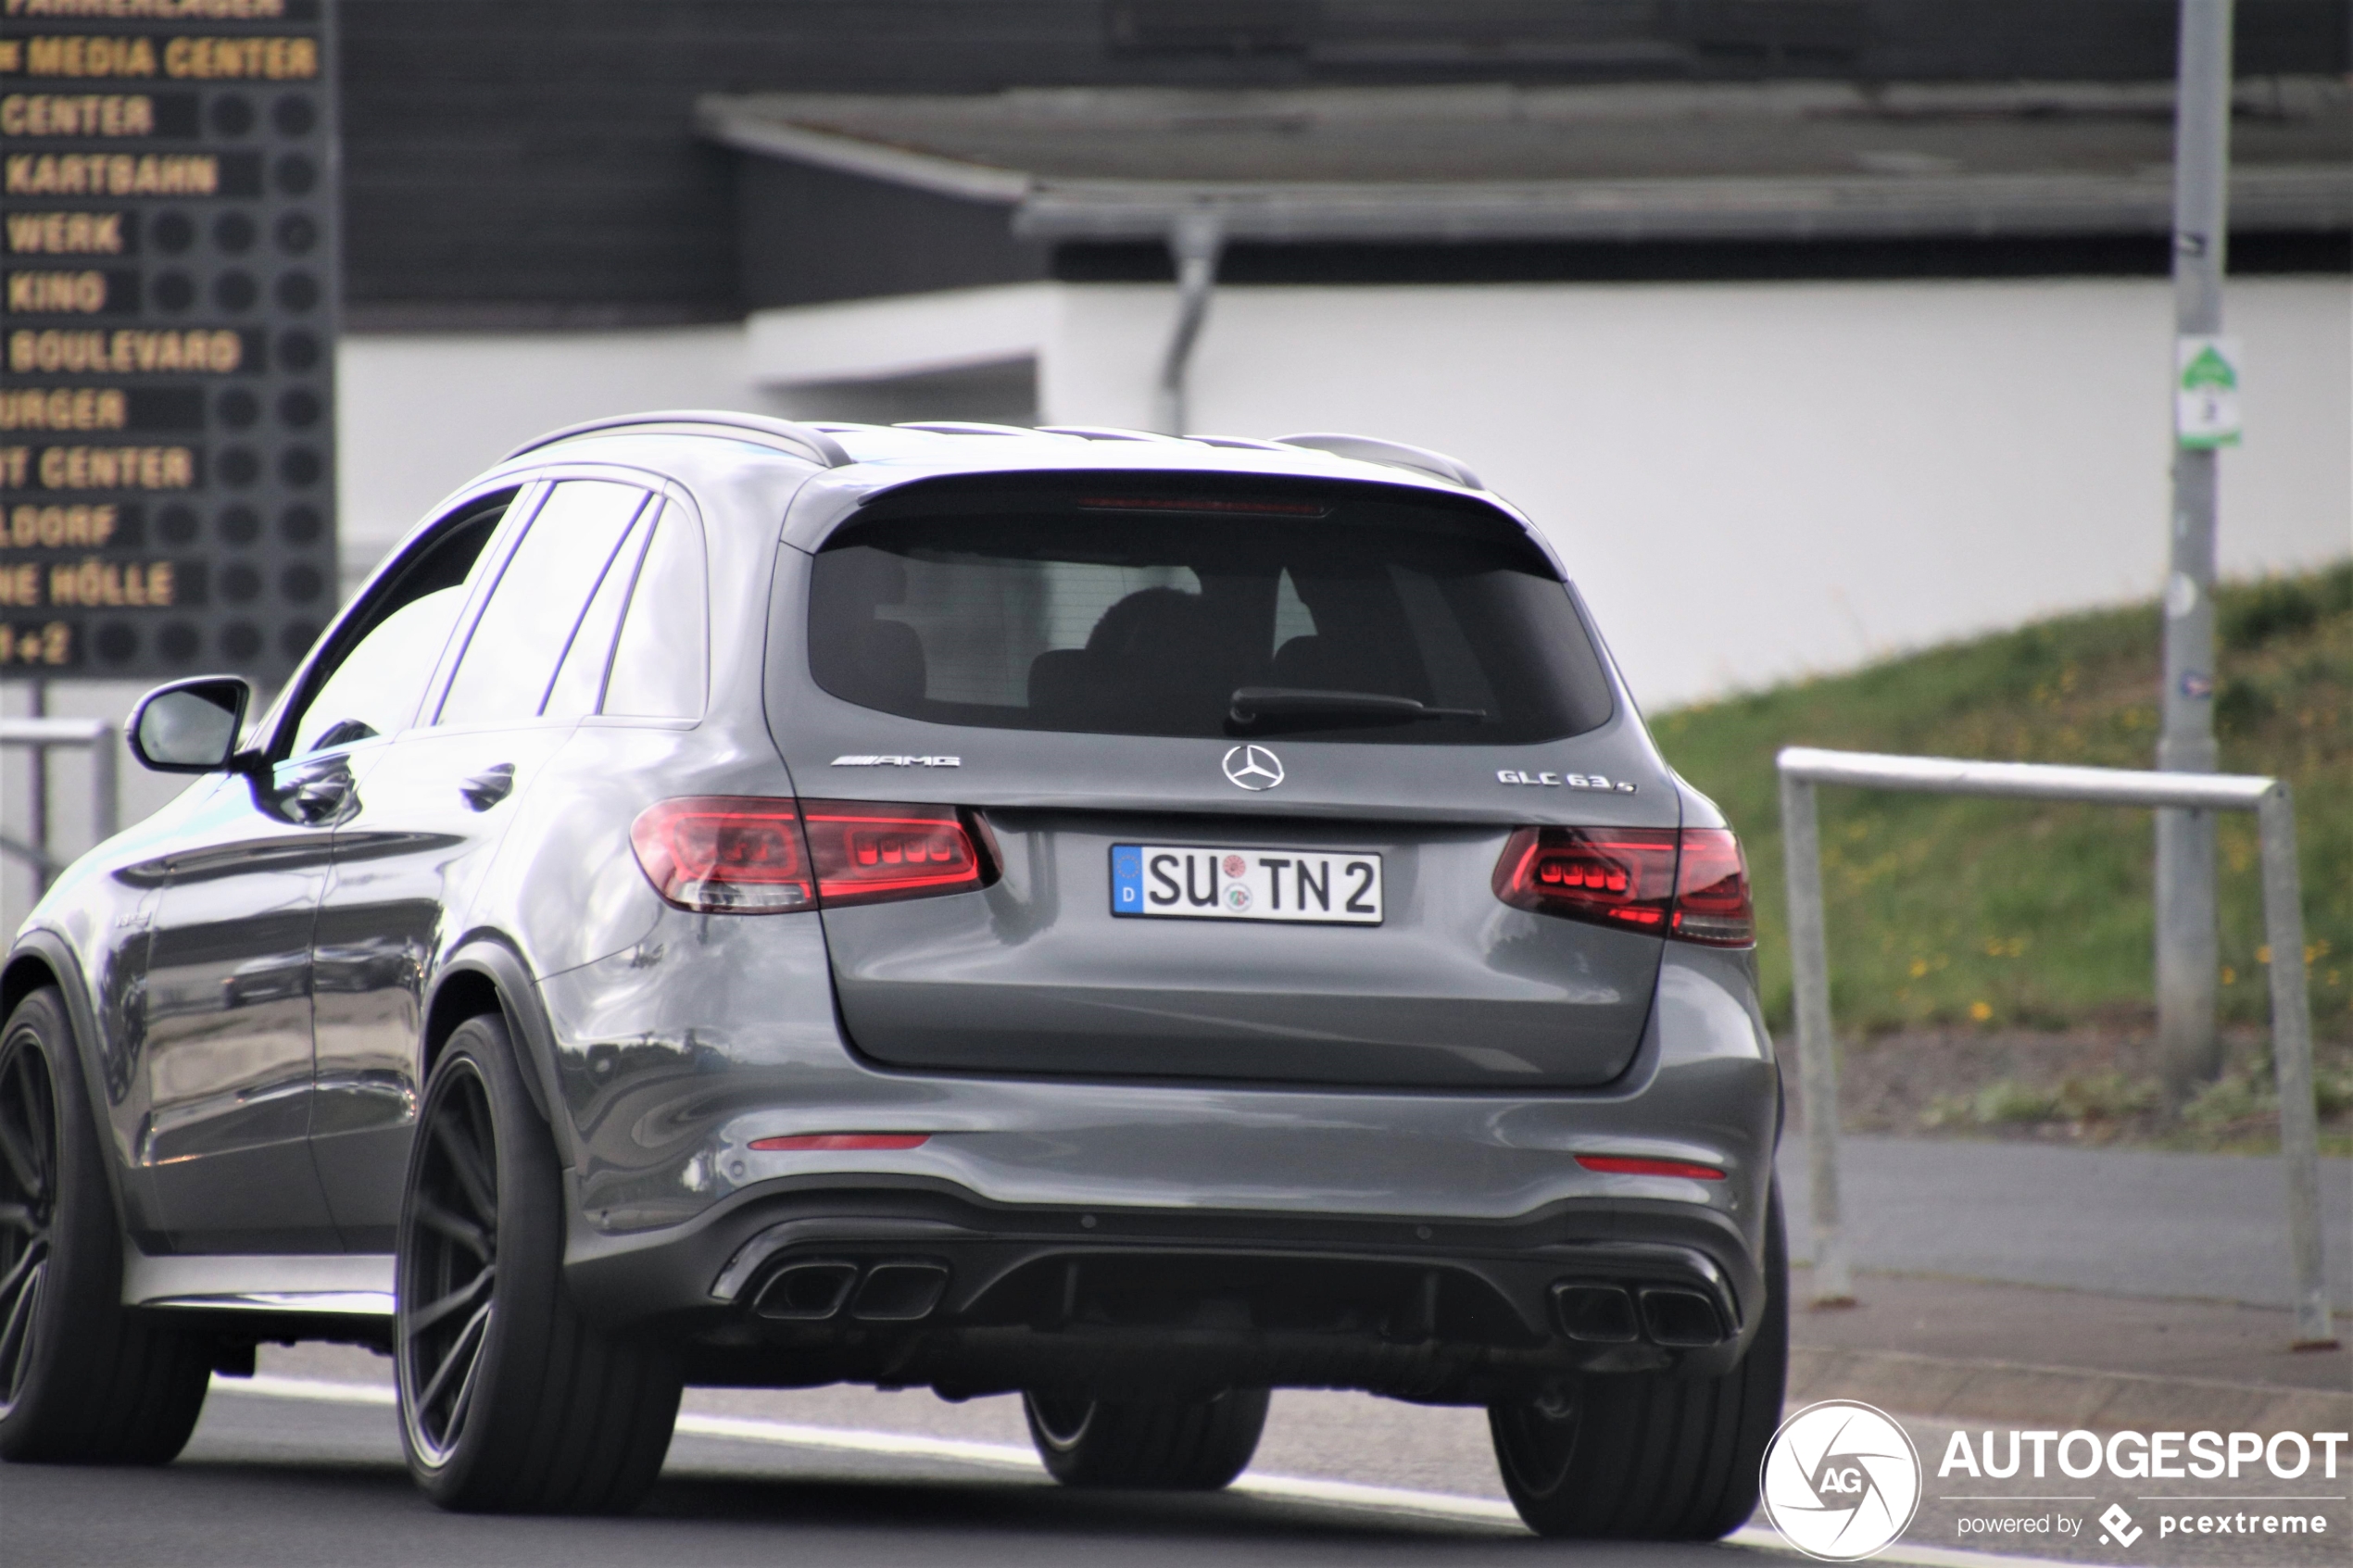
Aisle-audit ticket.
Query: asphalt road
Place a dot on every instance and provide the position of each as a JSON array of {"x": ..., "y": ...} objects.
[
  {"x": 298, "y": 1471},
  {"x": 296, "y": 1482}
]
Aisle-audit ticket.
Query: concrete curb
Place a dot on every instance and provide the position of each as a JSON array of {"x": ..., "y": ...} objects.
[{"x": 2063, "y": 1397}]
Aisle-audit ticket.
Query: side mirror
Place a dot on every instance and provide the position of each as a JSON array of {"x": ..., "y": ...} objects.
[{"x": 189, "y": 726}]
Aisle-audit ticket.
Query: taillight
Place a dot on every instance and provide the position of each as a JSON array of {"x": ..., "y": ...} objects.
[
  {"x": 1711, "y": 890},
  {"x": 726, "y": 854},
  {"x": 1611, "y": 876},
  {"x": 866, "y": 853},
  {"x": 1692, "y": 884}
]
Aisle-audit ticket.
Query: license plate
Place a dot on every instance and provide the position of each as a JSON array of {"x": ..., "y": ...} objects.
[{"x": 1189, "y": 881}]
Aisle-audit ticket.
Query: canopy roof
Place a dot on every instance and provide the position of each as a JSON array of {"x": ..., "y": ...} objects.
[{"x": 1789, "y": 160}]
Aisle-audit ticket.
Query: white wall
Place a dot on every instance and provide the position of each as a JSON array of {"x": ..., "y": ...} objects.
[
  {"x": 1752, "y": 481},
  {"x": 421, "y": 413}
]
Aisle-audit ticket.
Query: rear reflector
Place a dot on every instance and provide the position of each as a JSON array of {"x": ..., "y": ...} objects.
[
  {"x": 726, "y": 854},
  {"x": 831, "y": 1141},
  {"x": 1628, "y": 1165},
  {"x": 1690, "y": 884}
]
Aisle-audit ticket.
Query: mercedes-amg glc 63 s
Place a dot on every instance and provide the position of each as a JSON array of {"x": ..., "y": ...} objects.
[{"x": 1129, "y": 920}]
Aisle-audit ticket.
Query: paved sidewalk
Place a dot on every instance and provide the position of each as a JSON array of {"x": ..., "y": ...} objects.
[
  {"x": 1967, "y": 1351},
  {"x": 2129, "y": 1223}
]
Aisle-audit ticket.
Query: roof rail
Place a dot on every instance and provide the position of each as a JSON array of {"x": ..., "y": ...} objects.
[
  {"x": 1106, "y": 433},
  {"x": 962, "y": 427},
  {"x": 1396, "y": 454},
  {"x": 1246, "y": 443},
  {"x": 804, "y": 440}
]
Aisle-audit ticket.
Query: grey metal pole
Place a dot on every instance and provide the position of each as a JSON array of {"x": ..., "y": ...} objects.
[
  {"x": 105, "y": 801},
  {"x": 36, "y": 794},
  {"x": 2189, "y": 1048},
  {"x": 1816, "y": 1059},
  {"x": 1194, "y": 243},
  {"x": 2291, "y": 1065}
]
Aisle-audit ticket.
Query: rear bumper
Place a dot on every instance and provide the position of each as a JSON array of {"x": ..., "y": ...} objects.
[{"x": 917, "y": 1282}]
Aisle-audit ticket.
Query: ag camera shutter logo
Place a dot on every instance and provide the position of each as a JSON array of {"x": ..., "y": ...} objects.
[{"x": 1842, "y": 1481}]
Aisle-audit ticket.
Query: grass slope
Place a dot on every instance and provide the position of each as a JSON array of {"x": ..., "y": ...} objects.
[{"x": 1948, "y": 911}]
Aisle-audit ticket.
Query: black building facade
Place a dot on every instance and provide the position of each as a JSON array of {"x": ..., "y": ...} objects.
[{"x": 536, "y": 162}]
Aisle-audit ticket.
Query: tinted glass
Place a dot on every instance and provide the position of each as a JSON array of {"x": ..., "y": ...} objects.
[
  {"x": 657, "y": 664},
  {"x": 517, "y": 641},
  {"x": 1105, "y": 620},
  {"x": 373, "y": 686}
]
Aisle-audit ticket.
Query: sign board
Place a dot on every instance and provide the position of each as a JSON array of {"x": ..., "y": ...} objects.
[
  {"x": 2206, "y": 391},
  {"x": 166, "y": 419}
]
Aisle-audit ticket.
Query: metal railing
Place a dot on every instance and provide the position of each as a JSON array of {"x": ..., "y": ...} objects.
[
  {"x": 1802, "y": 767},
  {"x": 38, "y": 736}
]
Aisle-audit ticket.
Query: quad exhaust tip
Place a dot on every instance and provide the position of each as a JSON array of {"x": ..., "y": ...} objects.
[
  {"x": 1610, "y": 1314},
  {"x": 904, "y": 1291}
]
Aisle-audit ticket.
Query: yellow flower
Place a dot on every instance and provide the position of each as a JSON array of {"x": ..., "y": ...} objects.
[{"x": 1980, "y": 1010}]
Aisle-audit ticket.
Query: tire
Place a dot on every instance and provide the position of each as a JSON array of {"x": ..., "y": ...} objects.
[
  {"x": 83, "y": 1380},
  {"x": 1147, "y": 1445},
  {"x": 510, "y": 1402},
  {"x": 1648, "y": 1456}
]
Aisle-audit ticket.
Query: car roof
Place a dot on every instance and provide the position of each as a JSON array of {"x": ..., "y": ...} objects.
[
  {"x": 841, "y": 467},
  {"x": 954, "y": 446}
]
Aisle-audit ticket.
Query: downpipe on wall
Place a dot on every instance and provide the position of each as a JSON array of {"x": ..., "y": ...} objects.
[{"x": 1194, "y": 242}]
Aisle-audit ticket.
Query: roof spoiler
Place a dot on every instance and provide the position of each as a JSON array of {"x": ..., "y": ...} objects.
[
  {"x": 802, "y": 441},
  {"x": 1396, "y": 454}
]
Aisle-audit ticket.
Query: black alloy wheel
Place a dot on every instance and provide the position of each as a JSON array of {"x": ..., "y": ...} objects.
[
  {"x": 449, "y": 1268},
  {"x": 1162, "y": 1444},
  {"x": 510, "y": 1401},
  {"x": 28, "y": 1205},
  {"x": 1653, "y": 1455},
  {"x": 1058, "y": 1422}
]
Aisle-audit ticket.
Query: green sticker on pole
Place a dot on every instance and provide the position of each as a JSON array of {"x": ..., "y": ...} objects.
[{"x": 2206, "y": 392}]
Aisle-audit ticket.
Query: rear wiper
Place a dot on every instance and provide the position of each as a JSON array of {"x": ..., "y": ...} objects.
[{"x": 1253, "y": 703}]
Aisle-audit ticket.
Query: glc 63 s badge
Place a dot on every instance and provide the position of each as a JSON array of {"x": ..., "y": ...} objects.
[{"x": 1563, "y": 781}]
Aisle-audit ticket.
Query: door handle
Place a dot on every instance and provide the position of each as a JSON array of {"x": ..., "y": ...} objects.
[{"x": 488, "y": 787}]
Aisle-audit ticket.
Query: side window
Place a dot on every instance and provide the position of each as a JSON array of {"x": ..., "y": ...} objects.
[
  {"x": 372, "y": 684},
  {"x": 521, "y": 634},
  {"x": 659, "y": 666},
  {"x": 580, "y": 679}
]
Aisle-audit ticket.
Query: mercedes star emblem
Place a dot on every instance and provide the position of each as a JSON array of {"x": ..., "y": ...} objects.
[{"x": 1253, "y": 767}]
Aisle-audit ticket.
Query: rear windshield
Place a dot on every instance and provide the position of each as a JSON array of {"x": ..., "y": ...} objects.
[{"x": 1310, "y": 618}]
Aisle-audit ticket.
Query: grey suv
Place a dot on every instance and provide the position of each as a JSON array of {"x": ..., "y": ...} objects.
[{"x": 1131, "y": 920}]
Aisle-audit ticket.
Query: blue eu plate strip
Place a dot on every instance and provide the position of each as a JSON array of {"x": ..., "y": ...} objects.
[{"x": 1126, "y": 879}]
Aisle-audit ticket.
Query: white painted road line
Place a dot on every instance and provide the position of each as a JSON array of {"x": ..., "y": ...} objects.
[{"x": 1008, "y": 1456}]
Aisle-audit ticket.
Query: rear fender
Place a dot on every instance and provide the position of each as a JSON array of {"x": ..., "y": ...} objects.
[{"x": 484, "y": 970}]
